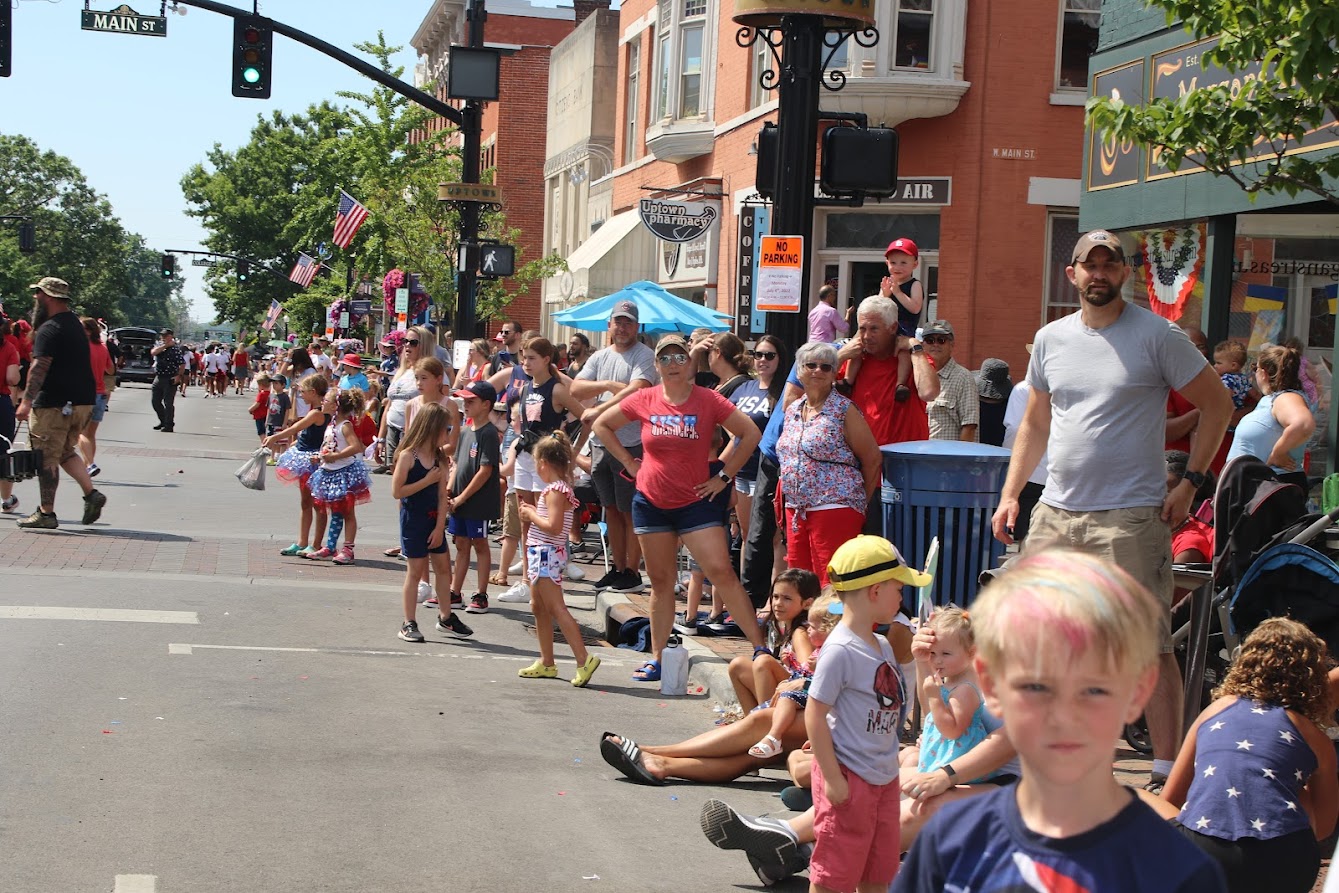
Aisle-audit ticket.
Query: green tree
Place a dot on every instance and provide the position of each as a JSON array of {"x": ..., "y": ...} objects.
[{"x": 1217, "y": 127}]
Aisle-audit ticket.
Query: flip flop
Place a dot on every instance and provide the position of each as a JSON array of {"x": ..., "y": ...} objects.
[
  {"x": 626, "y": 758},
  {"x": 647, "y": 672},
  {"x": 392, "y": 553},
  {"x": 767, "y": 748}
]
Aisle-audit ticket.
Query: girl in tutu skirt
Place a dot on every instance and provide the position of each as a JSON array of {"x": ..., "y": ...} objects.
[
  {"x": 342, "y": 481},
  {"x": 296, "y": 464}
]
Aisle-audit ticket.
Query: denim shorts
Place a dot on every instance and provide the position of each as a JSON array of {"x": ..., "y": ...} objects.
[
  {"x": 99, "y": 408},
  {"x": 649, "y": 518},
  {"x": 746, "y": 488}
]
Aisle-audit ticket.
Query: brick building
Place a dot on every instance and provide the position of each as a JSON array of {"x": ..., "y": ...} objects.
[
  {"x": 514, "y": 127},
  {"x": 988, "y": 106}
]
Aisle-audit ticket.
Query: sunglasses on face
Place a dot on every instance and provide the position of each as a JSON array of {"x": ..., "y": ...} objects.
[
  {"x": 763, "y": 354},
  {"x": 937, "y": 339},
  {"x": 411, "y": 344},
  {"x": 818, "y": 367},
  {"x": 675, "y": 359}
]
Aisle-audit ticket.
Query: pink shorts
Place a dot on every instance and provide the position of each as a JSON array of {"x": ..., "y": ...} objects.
[
  {"x": 859, "y": 842},
  {"x": 812, "y": 537}
]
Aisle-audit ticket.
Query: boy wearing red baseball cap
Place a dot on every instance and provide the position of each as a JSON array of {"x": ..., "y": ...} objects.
[{"x": 908, "y": 294}]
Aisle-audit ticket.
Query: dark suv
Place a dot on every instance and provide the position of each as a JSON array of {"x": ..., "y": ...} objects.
[{"x": 136, "y": 361}]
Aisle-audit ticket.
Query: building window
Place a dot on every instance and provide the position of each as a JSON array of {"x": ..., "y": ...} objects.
[
  {"x": 632, "y": 98},
  {"x": 682, "y": 42},
  {"x": 1062, "y": 298},
  {"x": 913, "y": 34},
  {"x": 762, "y": 61},
  {"x": 1079, "y": 20},
  {"x": 690, "y": 70},
  {"x": 839, "y": 60}
]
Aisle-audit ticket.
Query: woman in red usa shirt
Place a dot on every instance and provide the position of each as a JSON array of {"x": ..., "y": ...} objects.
[{"x": 678, "y": 497}]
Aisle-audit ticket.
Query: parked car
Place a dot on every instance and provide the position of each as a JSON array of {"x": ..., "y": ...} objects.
[{"x": 136, "y": 361}]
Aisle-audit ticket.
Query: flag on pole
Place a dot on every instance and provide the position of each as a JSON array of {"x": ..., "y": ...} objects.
[
  {"x": 305, "y": 270},
  {"x": 272, "y": 316},
  {"x": 350, "y": 216}
]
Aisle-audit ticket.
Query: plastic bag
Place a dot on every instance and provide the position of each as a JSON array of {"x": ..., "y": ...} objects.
[{"x": 252, "y": 472}]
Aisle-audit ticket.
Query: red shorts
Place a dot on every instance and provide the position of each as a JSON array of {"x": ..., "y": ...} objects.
[
  {"x": 812, "y": 537},
  {"x": 859, "y": 842}
]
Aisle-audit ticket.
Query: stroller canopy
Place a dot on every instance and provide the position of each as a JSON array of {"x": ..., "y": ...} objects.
[{"x": 1289, "y": 580}]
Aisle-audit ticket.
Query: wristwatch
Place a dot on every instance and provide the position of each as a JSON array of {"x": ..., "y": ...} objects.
[
  {"x": 949, "y": 770},
  {"x": 916, "y": 348},
  {"x": 1196, "y": 478},
  {"x": 724, "y": 476}
]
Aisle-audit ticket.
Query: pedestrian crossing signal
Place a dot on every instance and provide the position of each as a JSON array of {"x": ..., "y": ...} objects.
[
  {"x": 169, "y": 266},
  {"x": 496, "y": 261},
  {"x": 252, "y": 44}
]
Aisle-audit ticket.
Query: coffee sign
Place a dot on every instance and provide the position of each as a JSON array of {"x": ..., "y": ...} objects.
[{"x": 677, "y": 221}]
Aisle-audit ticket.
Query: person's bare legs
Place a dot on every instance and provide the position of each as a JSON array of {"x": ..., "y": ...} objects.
[
  {"x": 88, "y": 442},
  {"x": 322, "y": 518},
  {"x": 305, "y": 530},
  {"x": 767, "y": 675},
  {"x": 543, "y": 623},
  {"x": 1165, "y": 708},
  {"x": 551, "y": 595},
  {"x": 732, "y": 740},
  {"x": 618, "y": 530},
  {"x": 800, "y": 765},
  {"x": 508, "y": 556},
  {"x": 483, "y": 557},
  {"x": 741, "y": 676},
  {"x": 409, "y": 595},
  {"x": 711, "y": 550},
  {"x": 743, "y": 512},
  {"x": 76, "y": 468},
  {"x": 462, "y": 567},
  {"x": 662, "y": 567}
]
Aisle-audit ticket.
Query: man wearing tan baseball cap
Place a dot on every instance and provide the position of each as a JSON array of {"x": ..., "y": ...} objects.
[{"x": 59, "y": 401}]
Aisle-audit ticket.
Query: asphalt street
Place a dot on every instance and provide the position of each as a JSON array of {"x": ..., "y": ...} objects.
[{"x": 184, "y": 711}]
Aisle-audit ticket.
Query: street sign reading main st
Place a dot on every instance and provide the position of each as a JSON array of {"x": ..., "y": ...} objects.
[{"x": 123, "y": 20}]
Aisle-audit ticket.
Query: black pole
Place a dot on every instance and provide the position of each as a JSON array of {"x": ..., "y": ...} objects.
[
  {"x": 797, "y": 152},
  {"x": 471, "y": 128}
]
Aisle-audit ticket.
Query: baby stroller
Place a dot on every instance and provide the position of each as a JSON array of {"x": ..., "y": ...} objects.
[{"x": 1266, "y": 564}]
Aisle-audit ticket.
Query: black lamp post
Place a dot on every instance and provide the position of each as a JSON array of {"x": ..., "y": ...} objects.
[{"x": 803, "y": 36}]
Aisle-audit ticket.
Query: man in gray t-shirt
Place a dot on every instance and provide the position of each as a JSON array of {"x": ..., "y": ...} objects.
[
  {"x": 626, "y": 365},
  {"x": 1099, "y": 382}
]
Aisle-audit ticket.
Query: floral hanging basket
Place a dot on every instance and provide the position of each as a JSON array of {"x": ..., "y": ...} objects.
[{"x": 418, "y": 298}]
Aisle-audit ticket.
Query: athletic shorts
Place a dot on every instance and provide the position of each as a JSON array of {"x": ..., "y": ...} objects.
[
  {"x": 546, "y": 562},
  {"x": 1136, "y": 540},
  {"x": 614, "y": 489},
  {"x": 466, "y": 527}
]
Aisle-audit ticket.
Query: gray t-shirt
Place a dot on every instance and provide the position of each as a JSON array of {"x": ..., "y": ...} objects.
[
  {"x": 1108, "y": 392},
  {"x": 636, "y": 363},
  {"x": 868, "y": 699},
  {"x": 476, "y": 449}
]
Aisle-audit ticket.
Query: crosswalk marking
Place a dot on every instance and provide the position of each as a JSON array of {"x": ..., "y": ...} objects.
[{"x": 113, "y": 615}]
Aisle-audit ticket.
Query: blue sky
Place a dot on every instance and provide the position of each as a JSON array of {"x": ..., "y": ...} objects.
[{"x": 134, "y": 113}]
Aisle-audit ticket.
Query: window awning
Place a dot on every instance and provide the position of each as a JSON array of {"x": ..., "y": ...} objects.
[{"x": 619, "y": 252}]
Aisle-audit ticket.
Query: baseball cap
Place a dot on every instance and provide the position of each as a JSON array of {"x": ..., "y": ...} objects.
[
  {"x": 906, "y": 246},
  {"x": 56, "y": 288},
  {"x": 162, "y": 332},
  {"x": 628, "y": 310},
  {"x": 1098, "y": 238},
  {"x": 938, "y": 327},
  {"x": 481, "y": 389},
  {"x": 668, "y": 341},
  {"x": 352, "y": 359},
  {"x": 866, "y": 560}
]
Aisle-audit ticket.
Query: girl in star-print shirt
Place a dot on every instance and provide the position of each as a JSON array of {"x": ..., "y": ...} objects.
[{"x": 1255, "y": 780}]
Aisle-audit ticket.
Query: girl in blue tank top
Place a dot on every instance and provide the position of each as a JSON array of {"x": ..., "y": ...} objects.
[
  {"x": 297, "y": 463},
  {"x": 1254, "y": 785},
  {"x": 951, "y": 701}
]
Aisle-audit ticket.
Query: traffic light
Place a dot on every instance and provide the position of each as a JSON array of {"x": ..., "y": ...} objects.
[
  {"x": 243, "y": 270},
  {"x": 27, "y": 237},
  {"x": 6, "y": 37},
  {"x": 169, "y": 266},
  {"x": 252, "y": 43}
]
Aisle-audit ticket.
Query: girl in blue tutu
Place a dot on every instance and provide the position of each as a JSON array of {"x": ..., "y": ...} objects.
[
  {"x": 296, "y": 464},
  {"x": 342, "y": 481}
]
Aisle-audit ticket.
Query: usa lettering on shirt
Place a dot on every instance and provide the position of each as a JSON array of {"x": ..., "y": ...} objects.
[{"x": 674, "y": 425}]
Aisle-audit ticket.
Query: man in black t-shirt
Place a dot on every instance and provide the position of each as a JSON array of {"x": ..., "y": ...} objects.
[
  {"x": 59, "y": 401},
  {"x": 168, "y": 361}
]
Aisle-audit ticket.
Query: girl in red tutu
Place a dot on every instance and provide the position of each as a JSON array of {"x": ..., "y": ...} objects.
[{"x": 342, "y": 481}]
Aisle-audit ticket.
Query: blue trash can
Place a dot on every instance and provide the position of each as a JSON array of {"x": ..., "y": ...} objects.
[{"x": 947, "y": 489}]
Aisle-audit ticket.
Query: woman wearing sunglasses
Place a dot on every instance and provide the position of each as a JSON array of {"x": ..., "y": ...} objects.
[
  {"x": 830, "y": 464},
  {"x": 677, "y": 497},
  {"x": 756, "y": 398}
]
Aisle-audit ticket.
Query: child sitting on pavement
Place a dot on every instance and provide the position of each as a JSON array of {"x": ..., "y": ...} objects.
[
  {"x": 857, "y": 705},
  {"x": 792, "y": 696},
  {"x": 1068, "y": 650}
]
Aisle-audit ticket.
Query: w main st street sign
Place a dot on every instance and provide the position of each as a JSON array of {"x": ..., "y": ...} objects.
[{"x": 123, "y": 20}]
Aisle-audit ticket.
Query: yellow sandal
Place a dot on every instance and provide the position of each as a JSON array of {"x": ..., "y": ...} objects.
[
  {"x": 585, "y": 671},
  {"x": 537, "y": 670}
]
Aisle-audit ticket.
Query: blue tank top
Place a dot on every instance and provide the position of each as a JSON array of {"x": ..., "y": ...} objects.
[
  {"x": 309, "y": 439},
  {"x": 422, "y": 504},
  {"x": 1258, "y": 431},
  {"x": 1251, "y": 763},
  {"x": 906, "y": 320}
]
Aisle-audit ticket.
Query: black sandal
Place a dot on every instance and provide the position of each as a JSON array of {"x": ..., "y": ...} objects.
[{"x": 626, "y": 758}]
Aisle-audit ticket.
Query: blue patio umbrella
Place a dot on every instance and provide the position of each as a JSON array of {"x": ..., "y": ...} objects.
[{"x": 659, "y": 309}]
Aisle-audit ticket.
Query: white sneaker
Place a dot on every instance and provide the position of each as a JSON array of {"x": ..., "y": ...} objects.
[
  {"x": 518, "y": 593},
  {"x": 575, "y": 573},
  {"x": 517, "y": 568},
  {"x": 425, "y": 591}
]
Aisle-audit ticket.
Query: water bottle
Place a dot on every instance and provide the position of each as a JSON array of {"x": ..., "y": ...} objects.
[{"x": 674, "y": 667}]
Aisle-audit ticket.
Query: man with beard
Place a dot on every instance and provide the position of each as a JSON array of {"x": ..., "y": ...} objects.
[
  {"x": 59, "y": 401},
  {"x": 1099, "y": 381}
]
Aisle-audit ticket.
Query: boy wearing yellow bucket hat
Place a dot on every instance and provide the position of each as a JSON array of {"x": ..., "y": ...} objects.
[{"x": 857, "y": 705}]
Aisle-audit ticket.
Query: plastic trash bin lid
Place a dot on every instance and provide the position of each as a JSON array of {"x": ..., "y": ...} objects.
[{"x": 956, "y": 448}]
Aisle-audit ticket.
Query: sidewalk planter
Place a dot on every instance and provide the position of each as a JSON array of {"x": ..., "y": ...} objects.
[{"x": 950, "y": 490}]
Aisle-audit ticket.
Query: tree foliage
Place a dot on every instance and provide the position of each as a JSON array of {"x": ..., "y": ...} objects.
[
  {"x": 1217, "y": 128},
  {"x": 79, "y": 240},
  {"x": 277, "y": 195}
]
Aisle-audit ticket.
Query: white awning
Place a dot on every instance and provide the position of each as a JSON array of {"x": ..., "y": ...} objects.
[{"x": 619, "y": 252}]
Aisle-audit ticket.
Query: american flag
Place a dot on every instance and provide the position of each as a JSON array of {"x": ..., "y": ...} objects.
[
  {"x": 350, "y": 216},
  {"x": 305, "y": 270},
  {"x": 273, "y": 316}
]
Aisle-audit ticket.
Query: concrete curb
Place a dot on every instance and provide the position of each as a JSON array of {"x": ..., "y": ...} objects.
[{"x": 706, "y": 668}]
